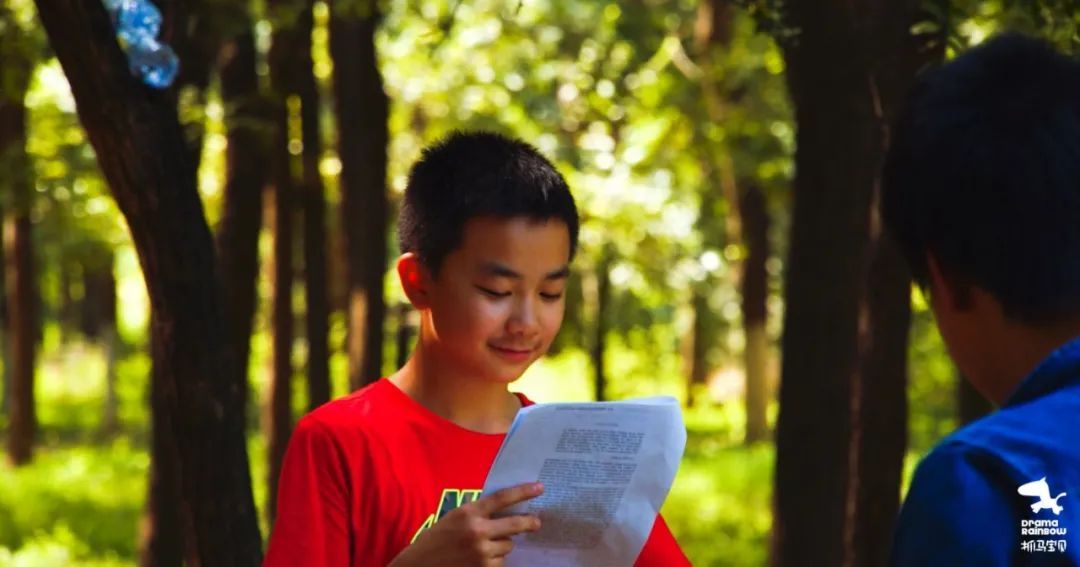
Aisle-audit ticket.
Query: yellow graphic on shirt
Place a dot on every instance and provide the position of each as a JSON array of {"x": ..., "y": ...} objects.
[{"x": 451, "y": 498}]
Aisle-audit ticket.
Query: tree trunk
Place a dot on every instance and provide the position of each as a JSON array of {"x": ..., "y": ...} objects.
[
  {"x": 280, "y": 405},
  {"x": 9, "y": 149},
  {"x": 755, "y": 294},
  {"x": 315, "y": 281},
  {"x": 713, "y": 32},
  {"x": 66, "y": 312},
  {"x": 842, "y": 428},
  {"x": 5, "y": 334},
  {"x": 21, "y": 286},
  {"x": 970, "y": 404},
  {"x": 22, "y": 429},
  {"x": 110, "y": 420},
  {"x": 97, "y": 321},
  {"x": 406, "y": 330},
  {"x": 362, "y": 114},
  {"x": 161, "y": 532},
  {"x": 246, "y": 122},
  {"x": 697, "y": 344},
  {"x": 600, "y": 327},
  {"x": 290, "y": 41},
  {"x": 193, "y": 29},
  {"x": 140, "y": 147}
]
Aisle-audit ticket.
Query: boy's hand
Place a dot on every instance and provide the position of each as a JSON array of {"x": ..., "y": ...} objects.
[{"x": 468, "y": 535}]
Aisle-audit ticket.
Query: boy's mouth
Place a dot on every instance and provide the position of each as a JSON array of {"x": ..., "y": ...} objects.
[{"x": 512, "y": 353}]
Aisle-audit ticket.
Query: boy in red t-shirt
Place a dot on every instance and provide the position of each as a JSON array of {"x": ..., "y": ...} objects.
[{"x": 391, "y": 474}]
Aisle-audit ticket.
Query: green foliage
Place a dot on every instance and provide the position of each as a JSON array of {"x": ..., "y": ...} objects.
[
  {"x": 613, "y": 94},
  {"x": 1057, "y": 21},
  {"x": 52, "y": 511},
  {"x": 933, "y": 381},
  {"x": 646, "y": 124},
  {"x": 720, "y": 505},
  {"x": 55, "y": 508}
]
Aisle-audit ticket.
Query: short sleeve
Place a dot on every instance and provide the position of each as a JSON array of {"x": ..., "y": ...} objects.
[
  {"x": 661, "y": 549},
  {"x": 311, "y": 526},
  {"x": 959, "y": 511}
]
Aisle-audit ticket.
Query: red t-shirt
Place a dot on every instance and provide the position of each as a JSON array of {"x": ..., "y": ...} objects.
[{"x": 365, "y": 474}]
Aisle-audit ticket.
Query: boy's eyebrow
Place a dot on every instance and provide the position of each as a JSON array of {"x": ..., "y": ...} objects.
[{"x": 497, "y": 269}]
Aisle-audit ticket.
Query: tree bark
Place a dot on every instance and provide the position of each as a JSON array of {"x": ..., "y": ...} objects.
[
  {"x": 362, "y": 114},
  {"x": 600, "y": 327},
  {"x": 11, "y": 151},
  {"x": 97, "y": 321},
  {"x": 696, "y": 347},
  {"x": 20, "y": 283},
  {"x": 110, "y": 419},
  {"x": 314, "y": 204},
  {"x": 247, "y": 124},
  {"x": 66, "y": 310},
  {"x": 194, "y": 29},
  {"x": 280, "y": 405},
  {"x": 755, "y": 294},
  {"x": 290, "y": 41},
  {"x": 140, "y": 147},
  {"x": 714, "y": 29},
  {"x": 842, "y": 427},
  {"x": 406, "y": 330},
  {"x": 5, "y": 320},
  {"x": 22, "y": 428},
  {"x": 162, "y": 531}
]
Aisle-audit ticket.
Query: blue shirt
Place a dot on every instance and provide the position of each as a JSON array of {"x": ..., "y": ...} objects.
[{"x": 964, "y": 507}]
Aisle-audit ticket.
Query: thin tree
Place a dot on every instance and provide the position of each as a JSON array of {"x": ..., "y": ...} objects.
[
  {"x": 247, "y": 133},
  {"x": 97, "y": 322},
  {"x": 314, "y": 207},
  {"x": 601, "y": 322},
  {"x": 362, "y": 113},
  {"x": 141, "y": 149},
  {"x": 5, "y": 196},
  {"x": 698, "y": 338},
  {"x": 290, "y": 60},
  {"x": 842, "y": 427},
  {"x": 16, "y": 66},
  {"x": 5, "y": 335},
  {"x": 754, "y": 288},
  {"x": 746, "y": 221}
]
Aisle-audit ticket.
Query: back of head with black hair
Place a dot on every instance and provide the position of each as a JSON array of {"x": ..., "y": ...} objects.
[
  {"x": 984, "y": 173},
  {"x": 477, "y": 174}
]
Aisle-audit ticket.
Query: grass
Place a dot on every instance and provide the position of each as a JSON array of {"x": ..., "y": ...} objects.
[
  {"x": 80, "y": 501},
  {"x": 75, "y": 504},
  {"x": 81, "y": 504}
]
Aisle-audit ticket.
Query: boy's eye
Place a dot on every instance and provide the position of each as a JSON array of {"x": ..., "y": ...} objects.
[{"x": 492, "y": 292}]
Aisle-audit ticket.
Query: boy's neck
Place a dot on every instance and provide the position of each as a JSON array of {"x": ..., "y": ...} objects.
[
  {"x": 474, "y": 404},
  {"x": 1016, "y": 352}
]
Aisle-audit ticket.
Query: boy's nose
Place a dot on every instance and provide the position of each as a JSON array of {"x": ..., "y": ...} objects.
[{"x": 523, "y": 320}]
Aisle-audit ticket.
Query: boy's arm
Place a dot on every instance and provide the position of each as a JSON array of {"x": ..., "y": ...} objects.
[
  {"x": 957, "y": 513},
  {"x": 311, "y": 526},
  {"x": 661, "y": 549}
]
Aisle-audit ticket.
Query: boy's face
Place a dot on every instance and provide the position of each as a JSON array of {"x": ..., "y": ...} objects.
[{"x": 498, "y": 300}]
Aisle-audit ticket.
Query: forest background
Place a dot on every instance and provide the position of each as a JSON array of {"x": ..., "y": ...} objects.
[{"x": 188, "y": 270}]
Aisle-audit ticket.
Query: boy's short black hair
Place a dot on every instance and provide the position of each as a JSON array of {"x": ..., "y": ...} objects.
[
  {"x": 984, "y": 173},
  {"x": 474, "y": 174}
]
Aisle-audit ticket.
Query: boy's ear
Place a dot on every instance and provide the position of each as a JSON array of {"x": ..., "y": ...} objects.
[{"x": 415, "y": 279}]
